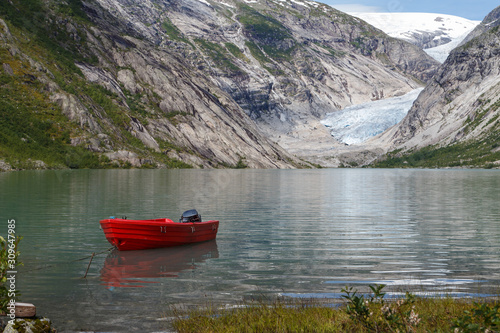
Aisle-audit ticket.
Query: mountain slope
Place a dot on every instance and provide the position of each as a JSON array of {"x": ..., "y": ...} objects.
[
  {"x": 286, "y": 63},
  {"x": 152, "y": 83},
  {"x": 129, "y": 103},
  {"x": 458, "y": 111}
]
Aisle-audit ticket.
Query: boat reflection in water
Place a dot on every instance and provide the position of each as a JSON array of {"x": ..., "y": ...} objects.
[{"x": 136, "y": 268}]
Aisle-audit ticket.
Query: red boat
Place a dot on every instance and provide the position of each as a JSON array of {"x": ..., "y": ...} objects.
[{"x": 148, "y": 234}]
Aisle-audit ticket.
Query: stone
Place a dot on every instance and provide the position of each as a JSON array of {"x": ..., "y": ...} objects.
[
  {"x": 29, "y": 325},
  {"x": 7, "y": 69},
  {"x": 125, "y": 157},
  {"x": 4, "y": 166},
  {"x": 25, "y": 310}
]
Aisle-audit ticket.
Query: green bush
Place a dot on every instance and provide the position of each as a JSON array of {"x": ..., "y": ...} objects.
[
  {"x": 378, "y": 315},
  {"x": 483, "y": 317}
]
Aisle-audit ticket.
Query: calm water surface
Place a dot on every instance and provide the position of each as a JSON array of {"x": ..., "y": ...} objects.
[{"x": 293, "y": 233}]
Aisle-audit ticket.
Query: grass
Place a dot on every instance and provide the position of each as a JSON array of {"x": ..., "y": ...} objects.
[
  {"x": 268, "y": 33},
  {"x": 236, "y": 51},
  {"x": 261, "y": 27},
  {"x": 31, "y": 16},
  {"x": 220, "y": 56},
  {"x": 33, "y": 128},
  {"x": 280, "y": 316},
  {"x": 261, "y": 58},
  {"x": 361, "y": 313},
  {"x": 173, "y": 32}
]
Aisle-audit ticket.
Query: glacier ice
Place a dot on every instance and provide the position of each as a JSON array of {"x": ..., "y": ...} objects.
[
  {"x": 356, "y": 124},
  {"x": 441, "y": 52}
]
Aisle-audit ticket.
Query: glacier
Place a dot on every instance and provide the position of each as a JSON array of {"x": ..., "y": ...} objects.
[
  {"x": 441, "y": 52},
  {"x": 356, "y": 124}
]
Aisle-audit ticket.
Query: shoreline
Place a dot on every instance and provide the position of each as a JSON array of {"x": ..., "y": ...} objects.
[{"x": 357, "y": 313}]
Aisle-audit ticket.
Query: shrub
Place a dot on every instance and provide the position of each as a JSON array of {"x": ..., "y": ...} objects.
[{"x": 399, "y": 316}]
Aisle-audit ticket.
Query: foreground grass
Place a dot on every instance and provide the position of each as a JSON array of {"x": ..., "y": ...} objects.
[{"x": 359, "y": 314}]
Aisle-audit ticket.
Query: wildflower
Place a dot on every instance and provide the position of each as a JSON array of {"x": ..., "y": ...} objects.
[{"x": 414, "y": 320}]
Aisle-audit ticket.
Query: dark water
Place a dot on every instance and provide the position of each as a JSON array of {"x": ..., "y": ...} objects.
[{"x": 294, "y": 233}]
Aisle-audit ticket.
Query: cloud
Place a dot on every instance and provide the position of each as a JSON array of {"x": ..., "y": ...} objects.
[{"x": 357, "y": 8}]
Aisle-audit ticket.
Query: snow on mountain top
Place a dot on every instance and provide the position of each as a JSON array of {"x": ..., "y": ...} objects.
[
  {"x": 437, "y": 34},
  {"x": 401, "y": 25}
]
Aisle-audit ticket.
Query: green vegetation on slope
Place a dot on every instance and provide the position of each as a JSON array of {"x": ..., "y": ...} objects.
[
  {"x": 480, "y": 153},
  {"x": 268, "y": 33},
  {"x": 32, "y": 18},
  {"x": 220, "y": 57},
  {"x": 173, "y": 32},
  {"x": 483, "y": 152},
  {"x": 49, "y": 38},
  {"x": 33, "y": 128},
  {"x": 235, "y": 51}
]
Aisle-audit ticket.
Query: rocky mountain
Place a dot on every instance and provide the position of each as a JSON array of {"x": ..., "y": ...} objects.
[
  {"x": 157, "y": 83},
  {"x": 128, "y": 101},
  {"x": 491, "y": 20},
  {"x": 458, "y": 111}
]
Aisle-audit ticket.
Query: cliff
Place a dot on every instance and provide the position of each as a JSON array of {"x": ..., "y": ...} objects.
[{"x": 176, "y": 83}]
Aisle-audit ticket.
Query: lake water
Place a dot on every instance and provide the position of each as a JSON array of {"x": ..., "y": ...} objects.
[{"x": 292, "y": 233}]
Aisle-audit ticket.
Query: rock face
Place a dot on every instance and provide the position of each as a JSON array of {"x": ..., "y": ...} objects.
[
  {"x": 461, "y": 102},
  {"x": 286, "y": 63},
  {"x": 212, "y": 83},
  {"x": 155, "y": 105},
  {"x": 491, "y": 20}
]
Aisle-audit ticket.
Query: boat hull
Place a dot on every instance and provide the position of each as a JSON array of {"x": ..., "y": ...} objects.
[{"x": 128, "y": 235}]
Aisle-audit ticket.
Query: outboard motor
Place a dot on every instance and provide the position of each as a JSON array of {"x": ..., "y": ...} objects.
[{"x": 190, "y": 216}]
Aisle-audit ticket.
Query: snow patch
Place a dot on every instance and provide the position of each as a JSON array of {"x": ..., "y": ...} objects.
[
  {"x": 299, "y": 3},
  {"x": 312, "y": 3},
  {"x": 205, "y": 2},
  {"x": 356, "y": 124}
]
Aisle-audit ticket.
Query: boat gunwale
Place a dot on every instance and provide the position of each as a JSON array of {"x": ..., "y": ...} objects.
[{"x": 155, "y": 222}]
